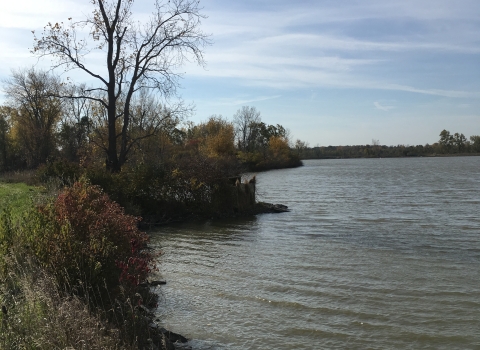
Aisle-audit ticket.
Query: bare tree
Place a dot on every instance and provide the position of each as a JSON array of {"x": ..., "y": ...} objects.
[
  {"x": 244, "y": 120},
  {"x": 300, "y": 147},
  {"x": 149, "y": 115},
  {"x": 31, "y": 94},
  {"x": 138, "y": 56}
]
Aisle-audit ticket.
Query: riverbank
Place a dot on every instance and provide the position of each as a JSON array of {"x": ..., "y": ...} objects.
[
  {"x": 378, "y": 151},
  {"x": 39, "y": 285},
  {"x": 74, "y": 291}
]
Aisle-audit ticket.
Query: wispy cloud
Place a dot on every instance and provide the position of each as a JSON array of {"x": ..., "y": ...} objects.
[
  {"x": 382, "y": 107},
  {"x": 349, "y": 46},
  {"x": 325, "y": 42},
  {"x": 374, "y": 44},
  {"x": 433, "y": 92},
  {"x": 340, "y": 73},
  {"x": 240, "y": 101}
]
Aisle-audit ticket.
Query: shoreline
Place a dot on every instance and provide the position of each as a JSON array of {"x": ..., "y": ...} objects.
[
  {"x": 429, "y": 155},
  {"x": 259, "y": 208},
  {"x": 438, "y": 155}
]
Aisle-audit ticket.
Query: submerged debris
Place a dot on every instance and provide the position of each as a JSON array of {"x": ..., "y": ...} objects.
[{"x": 262, "y": 207}]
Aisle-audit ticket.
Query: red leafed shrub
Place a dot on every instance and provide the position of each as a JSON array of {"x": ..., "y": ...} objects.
[{"x": 88, "y": 241}]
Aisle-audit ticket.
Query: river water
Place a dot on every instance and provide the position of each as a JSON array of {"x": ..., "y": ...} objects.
[{"x": 375, "y": 254}]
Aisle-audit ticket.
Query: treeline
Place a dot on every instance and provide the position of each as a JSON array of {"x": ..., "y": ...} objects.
[
  {"x": 448, "y": 144},
  {"x": 37, "y": 127}
]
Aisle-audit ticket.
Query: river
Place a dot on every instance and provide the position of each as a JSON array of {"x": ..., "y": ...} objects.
[{"x": 375, "y": 254}]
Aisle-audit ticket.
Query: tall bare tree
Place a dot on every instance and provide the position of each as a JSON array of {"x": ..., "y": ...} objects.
[
  {"x": 244, "y": 120},
  {"x": 137, "y": 56}
]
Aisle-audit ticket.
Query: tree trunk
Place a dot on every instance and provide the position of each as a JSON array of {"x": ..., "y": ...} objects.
[{"x": 112, "y": 164}]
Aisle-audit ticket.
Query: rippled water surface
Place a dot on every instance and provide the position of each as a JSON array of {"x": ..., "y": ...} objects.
[{"x": 375, "y": 254}]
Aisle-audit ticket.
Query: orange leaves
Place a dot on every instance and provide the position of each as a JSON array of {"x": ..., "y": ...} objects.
[
  {"x": 215, "y": 138},
  {"x": 279, "y": 146}
]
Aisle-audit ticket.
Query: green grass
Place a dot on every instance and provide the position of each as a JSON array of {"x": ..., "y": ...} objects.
[{"x": 17, "y": 196}]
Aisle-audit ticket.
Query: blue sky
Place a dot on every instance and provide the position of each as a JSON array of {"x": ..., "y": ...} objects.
[{"x": 334, "y": 72}]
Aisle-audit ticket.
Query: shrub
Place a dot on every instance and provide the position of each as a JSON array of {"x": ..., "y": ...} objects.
[
  {"x": 188, "y": 187},
  {"x": 60, "y": 170},
  {"x": 88, "y": 242},
  {"x": 86, "y": 264}
]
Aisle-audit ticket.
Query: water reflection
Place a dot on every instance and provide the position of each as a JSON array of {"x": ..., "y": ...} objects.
[{"x": 221, "y": 229}]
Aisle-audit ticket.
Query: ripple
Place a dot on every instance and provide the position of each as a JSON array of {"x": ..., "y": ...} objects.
[{"x": 376, "y": 255}]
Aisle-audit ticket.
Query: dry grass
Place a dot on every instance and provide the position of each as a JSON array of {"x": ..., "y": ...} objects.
[{"x": 36, "y": 314}]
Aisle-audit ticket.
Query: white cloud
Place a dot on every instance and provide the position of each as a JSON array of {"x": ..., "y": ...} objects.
[
  {"x": 434, "y": 92},
  {"x": 325, "y": 42},
  {"x": 383, "y": 108}
]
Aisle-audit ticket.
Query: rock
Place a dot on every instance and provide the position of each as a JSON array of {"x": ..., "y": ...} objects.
[
  {"x": 167, "y": 344},
  {"x": 280, "y": 208},
  {"x": 173, "y": 337},
  {"x": 157, "y": 283},
  {"x": 262, "y": 207}
]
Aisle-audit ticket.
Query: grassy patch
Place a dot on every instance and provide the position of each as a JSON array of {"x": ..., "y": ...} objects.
[{"x": 17, "y": 196}]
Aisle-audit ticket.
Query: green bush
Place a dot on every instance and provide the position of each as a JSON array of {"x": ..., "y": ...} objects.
[
  {"x": 189, "y": 187},
  {"x": 61, "y": 170}
]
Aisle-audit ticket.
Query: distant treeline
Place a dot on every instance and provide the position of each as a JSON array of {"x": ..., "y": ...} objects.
[{"x": 448, "y": 144}]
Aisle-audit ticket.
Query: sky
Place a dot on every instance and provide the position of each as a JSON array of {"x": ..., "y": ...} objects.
[{"x": 334, "y": 72}]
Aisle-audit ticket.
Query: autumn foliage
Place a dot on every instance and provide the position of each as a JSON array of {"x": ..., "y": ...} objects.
[{"x": 87, "y": 241}]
